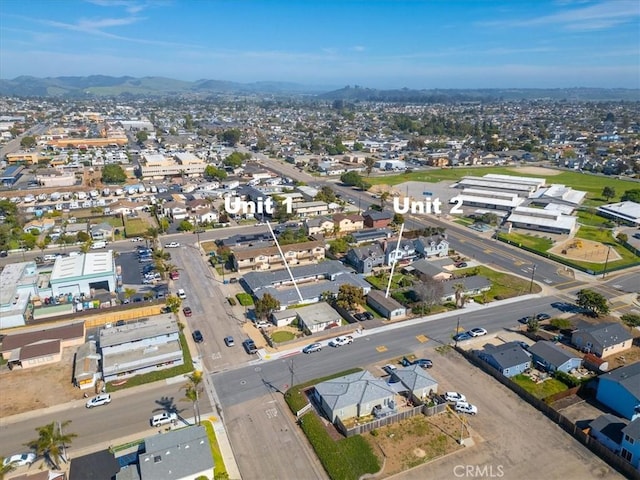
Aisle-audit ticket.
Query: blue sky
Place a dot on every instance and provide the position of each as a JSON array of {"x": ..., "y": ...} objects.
[{"x": 372, "y": 43}]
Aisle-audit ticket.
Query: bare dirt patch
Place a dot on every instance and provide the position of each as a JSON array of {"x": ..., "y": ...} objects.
[
  {"x": 415, "y": 441},
  {"x": 585, "y": 250},
  {"x": 38, "y": 387},
  {"x": 537, "y": 171}
]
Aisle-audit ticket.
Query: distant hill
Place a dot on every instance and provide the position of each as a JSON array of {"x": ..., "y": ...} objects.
[{"x": 107, "y": 86}]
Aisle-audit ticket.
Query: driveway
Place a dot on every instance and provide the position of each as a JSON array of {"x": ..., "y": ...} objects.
[{"x": 512, "y": 439}]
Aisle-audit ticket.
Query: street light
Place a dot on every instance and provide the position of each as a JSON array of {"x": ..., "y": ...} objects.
[{"x": 533, "y": 272}]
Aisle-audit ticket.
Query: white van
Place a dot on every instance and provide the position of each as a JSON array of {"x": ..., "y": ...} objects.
[
  {"x": 97, "y": 245},
  {"x": 49, "y": 258}
]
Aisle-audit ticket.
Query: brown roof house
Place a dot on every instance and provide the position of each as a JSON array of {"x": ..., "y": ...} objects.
[
  {"x": 41, "y": 347},
  {"x": 269, "y": 258}
]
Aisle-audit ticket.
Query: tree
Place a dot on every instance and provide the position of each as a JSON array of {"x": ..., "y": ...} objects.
[
  {"x": 27, "y": 142},
  {"x": 173, "y": 303},
  {"x": 560, "y": 323},
  {"x": 193, "y": 389},
  {"x": 152, "y": 234},
  {"x": 212, "y": 172},
  {"x": 398, "y": 219},
  {"x": 231, "y": 137},
  {"x": 326, "y": 194},
  {"x": 83, "y": 237},
  {"x": 593, "y": 301},
  {"x": 113, "y": 173},
  {"x": 384, "y": 196},
  {"x": 369, "y": 162},
  {"x": 349, "y": 296},
  {"x": 185, "y": 226},
  {"x": 339, "y": 245},
  {"x": 266, "y": 305},
  {"x": 622, "y": 237},
  {"x": 533, "y": 325},
  {"x": 458, "y": 290},
  {"x": 631, "y": 319},
  {"x": 51, "y": 442},
  {"x": 236, "y": 159},
  {"x": 4, "y": 469},
  {"x": 608, "y": 193},
  {"x": 429, "y": 292},
  {"x": 86, "y": 246},
  {"x": 327, "y": 296},
  {"x": 163, "y": 223},
  {"x": 632, "y": 195},
  {"x": 142, "y": 136},
  {"x": 129, "y": 292}
]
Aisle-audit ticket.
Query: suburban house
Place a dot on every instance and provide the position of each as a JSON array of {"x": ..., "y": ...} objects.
[
  {"x": 388, "y": 307},
  {"x": 417, "y": 381},
  {"x": 318, "y": 317},
  {"x": 282, "y": 318},
  {"x": 630, "y": 444},
  {"x": 510, "y": 359},
  {"x": 140, "y": 347},
  {"x": 436, "y": 246},
  {"x": 371, "y": 235},
  {"x": 425, "y": 269},
  {"x": 269, "y": 258},
  {"x": 405, "y": 252},
  {"x": 40, "y": 225},
  {"x": 175, "y": 210},
  {"x": 182, "y": 454},
  {"x": 472, "y": 286},
  {"x": 319, "y": 225},
  {"x": 205, "y": 216},
  {"x": 602, "y": 340},
  {"x": 375, "y": 219},
  {"x": 102, "y": 232},
  {"x": 366, "y": 258},
  {"x": 310, "y": 209},
  {"x": 620, "y": 389},
  {"x": 348, "y": 223},
  {"x": 353, "y": 395},
  {"x": 607, "y": 429},
  {"x": 551, "y": 357}
]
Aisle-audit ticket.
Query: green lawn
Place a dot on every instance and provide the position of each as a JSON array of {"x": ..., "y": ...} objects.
[
  {"x": 282, "y": 336},
  {"x": 586, "y": 217},
  {"x": 218, "y": 461},
  {"x": 135, "y": 227},
  {"x": 244, "y": 299},
  {"x": 592, "y": 184},
  {"x": 540, "y": 244},
  {"x": 381, "y": 282},
  {"x": 503, "y": 284},
  {"x": 540, "y": 390}
]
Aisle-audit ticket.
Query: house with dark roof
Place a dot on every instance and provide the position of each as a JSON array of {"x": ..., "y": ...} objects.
[
  {"x": 552, "y": 357},
  {"x": 607, "y": 429},
  {"x": 509, "y": 358},
  {"x": 388, "y": 307},
  {"x": 473, "y": 285},
  {"x": 602, "y": 340},
  {"x": 620, "y": 389},
  {"x": 425, "y": 269},
  {"x": 375, "y": 219},
  {"x": 630, "y": 443},
  {"x": 404, "y": 252},
  {"x": 417, "y": 382},
  {"x": 435, "y": 246},
  {"x": 371, "y": 235},
  {"x": 364, "y": 259}
]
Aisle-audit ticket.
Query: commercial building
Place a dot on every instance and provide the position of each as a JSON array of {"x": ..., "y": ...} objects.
[
  {"x": 522, "y": 186},
  {"x": 626, "y": 213},
  {"x": 140, "y": 347},
  {"x": 159, "y": 166},
  {"x": 489, "y": 199},
  {"x": 545, "y": 220},
  {"x": 18, "y": 282},
  {"x": 82, "y": 274},
  {"x": 56, "y": 180}
]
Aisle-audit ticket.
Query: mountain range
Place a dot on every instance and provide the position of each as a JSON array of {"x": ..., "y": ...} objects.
[{"x": 108, "y": 86}]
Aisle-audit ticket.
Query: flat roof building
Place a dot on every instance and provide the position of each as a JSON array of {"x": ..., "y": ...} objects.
[
  {"x": 83, "y": 273},
  {"x": 627, "y": 212},
  {"x": 18, "y": 282},
  {"x": 157, "y": 165},
  {"x": 489, "y": 199},
  {"x": 542, "y": 219}
]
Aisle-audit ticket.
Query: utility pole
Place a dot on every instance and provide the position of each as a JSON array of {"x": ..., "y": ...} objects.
[
  {"x": 606, "y": 262},
  {"x": 292, "y": 373},
  {"x": 533, "y": 272},
  {"x": 457, "y": 330}
]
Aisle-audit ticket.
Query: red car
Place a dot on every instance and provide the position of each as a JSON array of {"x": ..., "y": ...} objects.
[
  {"x": 174, "y": 275},
  {"x": 187, "y": 311}
]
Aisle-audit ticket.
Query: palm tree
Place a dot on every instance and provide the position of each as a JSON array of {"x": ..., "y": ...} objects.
[
  {"x": 193, "y": 389},
  {"x": 4, "y": 469},
  {"x": 152, "y": 233},
  {"x": 129, "y": 292},
  {"x": 51, "y": 442},
  {"x": 458, "y": 289}
]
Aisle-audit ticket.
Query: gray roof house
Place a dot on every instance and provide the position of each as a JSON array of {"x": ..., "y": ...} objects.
[
  {"x": 352, "y": 395},
  {"x": 435, "y": 246},
  {"x": 473, "y": 285},
  {"x": 424, "y": 268},
  {"x": 602, "y": 340},
  {"x": 102, "y": 231},
  {"x": 417, "y": 381},
  {"x": 552, "y": 357},
  {"x": 182, "y": 454},
  {"x": 607, "y": 429},
  {"x": 364, "y": 259},
  {"x": 318, "y": 317},
  {"x": 509, "y": 358},
  {"x": 406, "y": 251},
  {"x": 388, "y": 307}
]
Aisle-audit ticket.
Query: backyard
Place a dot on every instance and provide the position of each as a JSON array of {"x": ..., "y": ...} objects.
[
  {"x": 135, "y": 227},
  {"x": 540, "y": 390}
]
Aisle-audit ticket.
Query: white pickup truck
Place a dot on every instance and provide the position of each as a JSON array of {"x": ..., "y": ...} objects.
[{"x": 340, "y": 341}]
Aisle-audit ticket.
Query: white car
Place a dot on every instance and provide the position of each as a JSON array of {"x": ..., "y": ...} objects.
[
  {"x": 454, "y": 397},
  {"x": 182, "y": 294},
  {"x": 99, "y": 400},
  {"x": 389, "y": 368},
  {"x": 340, "y": 341},
  {"x": 477, "y": 332},
  {"x": 172, "y": 245},
  {"x": 464, "y": 407},
  {"x": 163, "y": 419},
  {"x": 20, "y": 459}
]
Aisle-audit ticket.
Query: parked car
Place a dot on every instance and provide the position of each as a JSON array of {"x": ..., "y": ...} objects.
[
  {"x": 477, "y": 332},
  {"x": 462, "y": 336},
  {"x": 250, "y": 346},
  {"x": 340, "y": 341},
  {"x": 172, "y": 245},
  {"x": 461, "y": 265},
  {"x": 163, "y": 419},
  {"x": 228, "y": 341},
  {"x": 102, "y": 399},
  {"x": 197, "y": 336},
  {"x": 389, "y": 368},
  {"x": 313, "y": 347},
  {"x": 464, "y": 407},
  {"x": 363, "y": 316},
  {"x": 525, "y": 320},
  {"x": 454, "y": 397},
  {"x": 187, "y": 311},
  {"x": 543, "y": 316},
  {"x": 182, "y": 294},
  {"x": 20, "y": 459},
  {"x": 423, "y": 362},
  {"x": 174, "y": 275}
]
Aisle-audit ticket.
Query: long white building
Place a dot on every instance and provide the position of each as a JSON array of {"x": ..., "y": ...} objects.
[{"x": 155, "y": 165}]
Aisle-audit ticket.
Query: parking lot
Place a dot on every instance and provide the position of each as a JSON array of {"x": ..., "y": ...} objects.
[
  {"x": 512, "y": 439},
  {"x": 133, "y": 277}
]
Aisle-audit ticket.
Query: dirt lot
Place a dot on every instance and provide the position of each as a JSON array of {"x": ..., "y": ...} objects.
[
  {"x": 39, "y": 387},
  {"x": 512, "y": 439}
]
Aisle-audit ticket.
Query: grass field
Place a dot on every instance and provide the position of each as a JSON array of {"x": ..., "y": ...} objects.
[
  {"x": 503, "y": 284},
  {"x": 540, "y": 390},
  {"x": 540, "y": 244},
  {"x": 135, "y": 227},
  {"x": 592, "y": 184}
]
